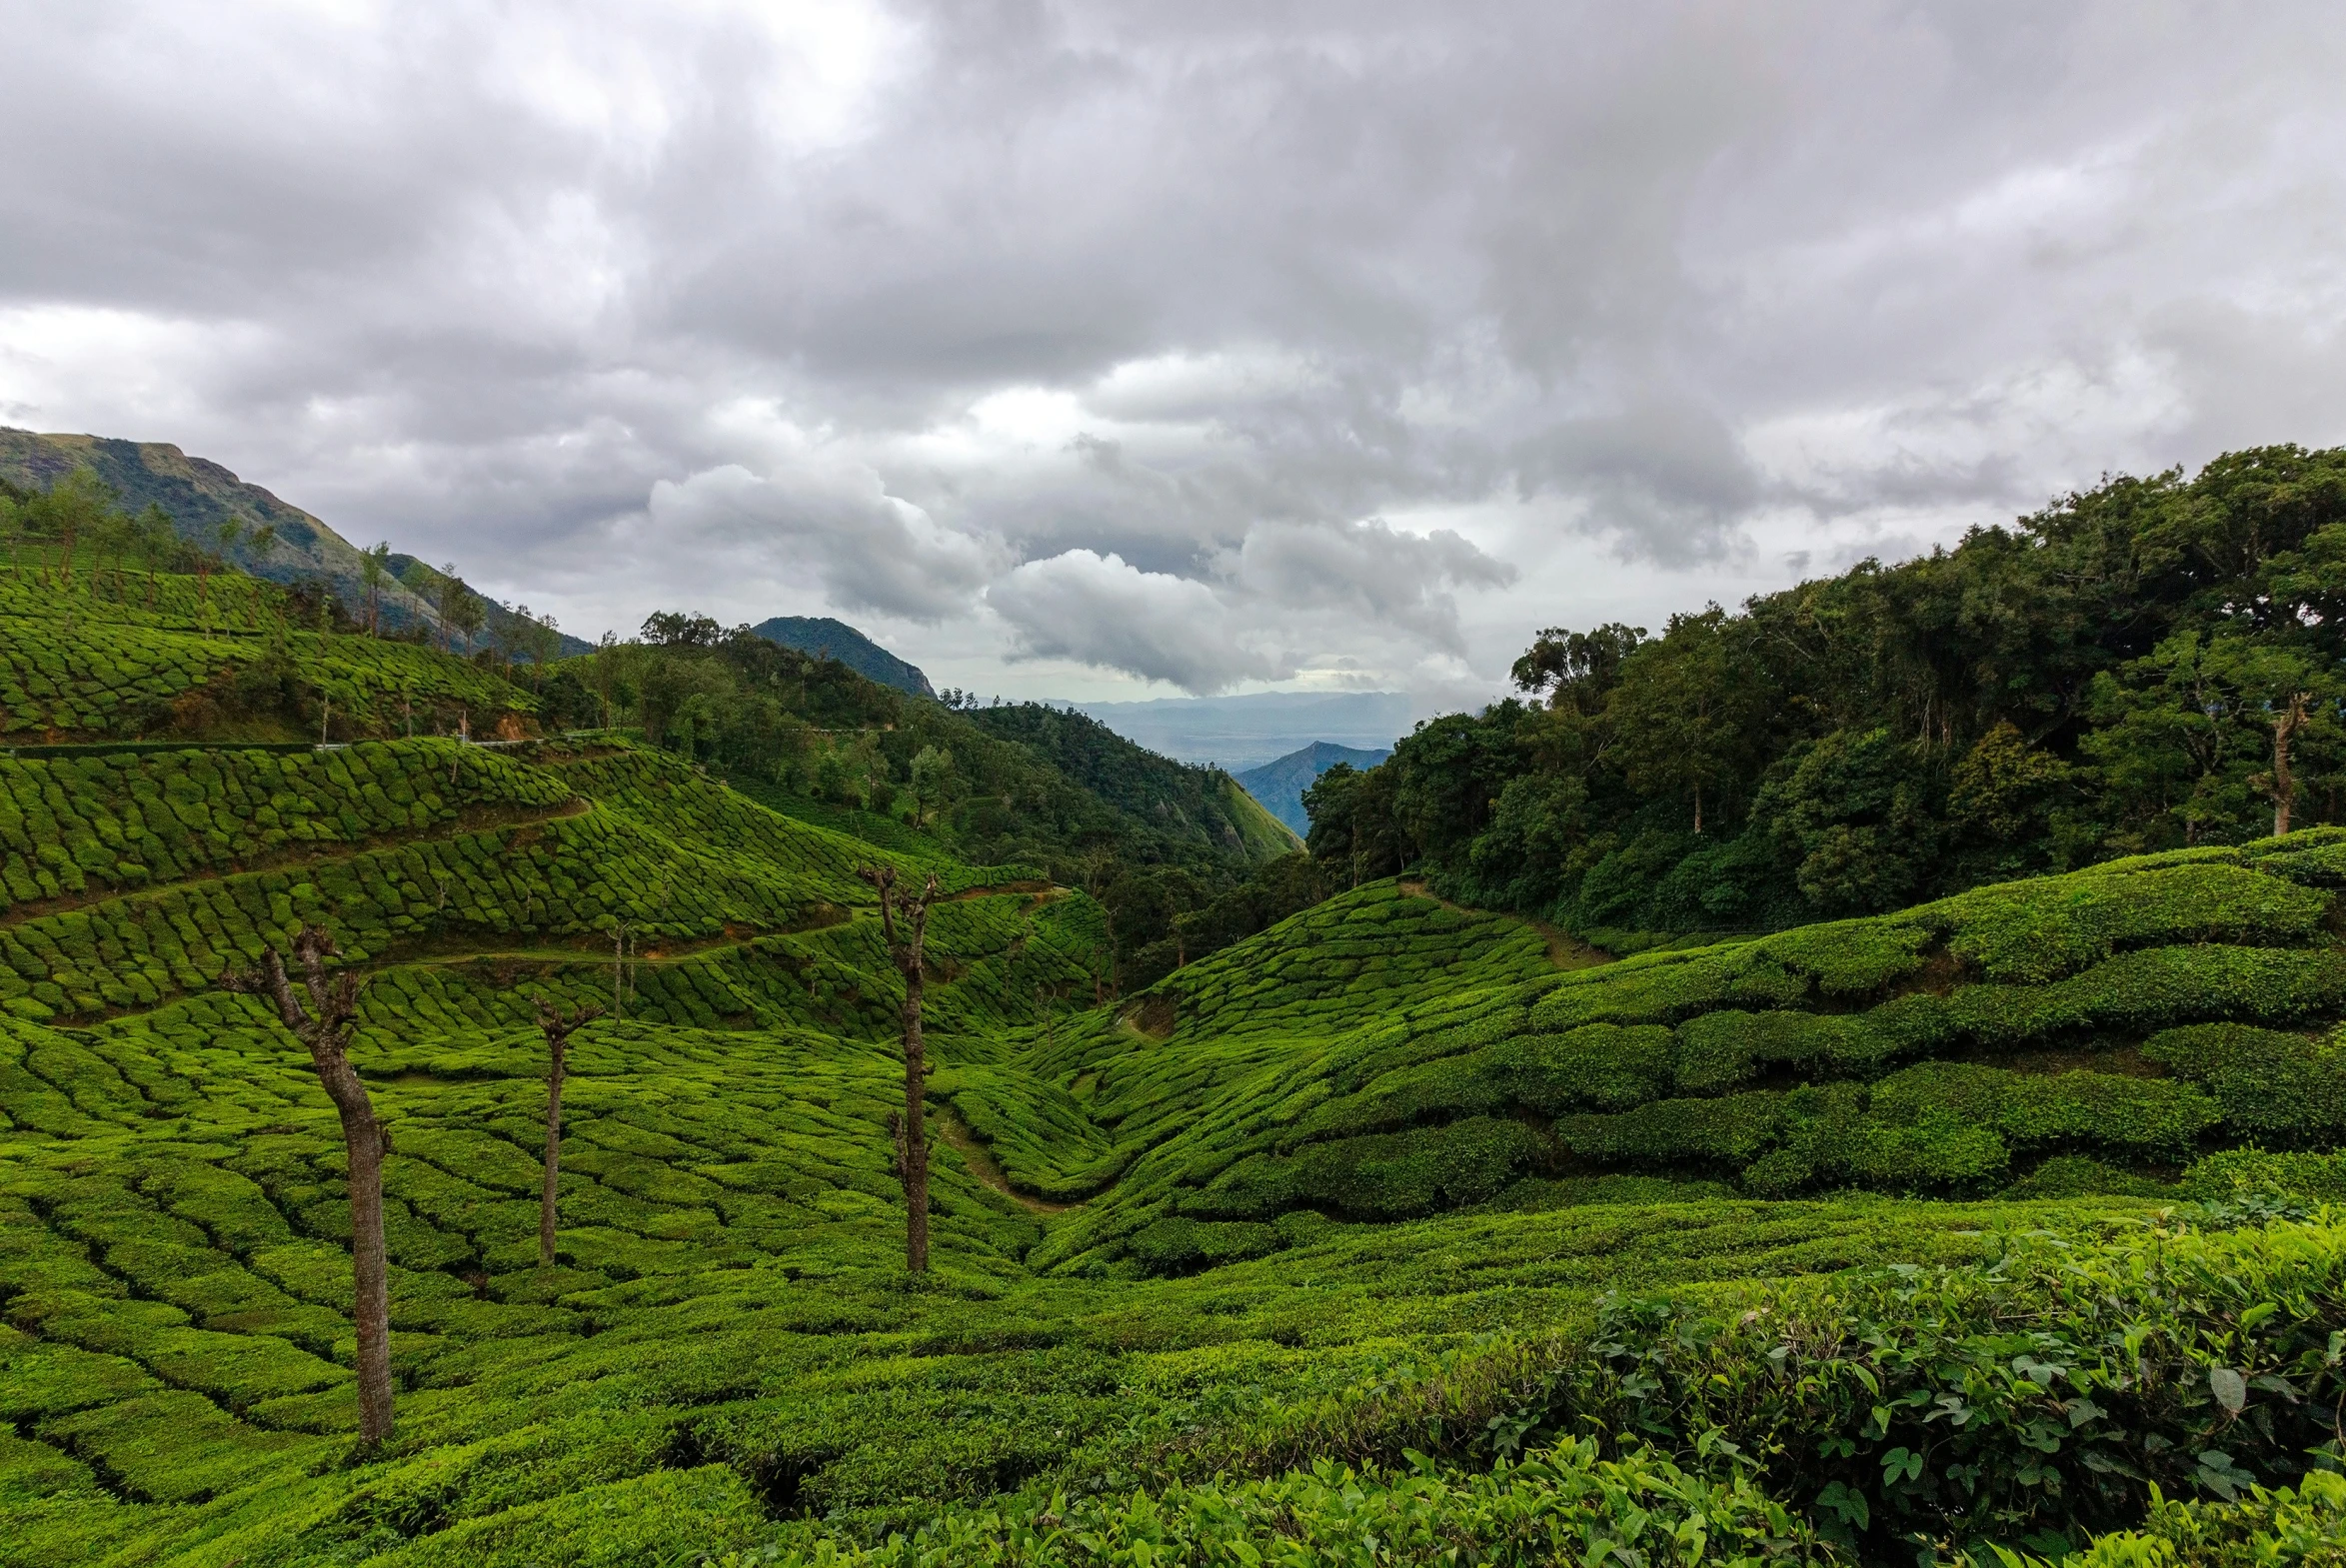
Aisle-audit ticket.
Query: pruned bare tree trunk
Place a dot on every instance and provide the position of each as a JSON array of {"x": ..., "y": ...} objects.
[
  {"x": 2288, "y": 719},
  {"x": 557, "y": 1027},
  {"x": 325, "y": 1025},
  {"x": 909, "y": 1125}
]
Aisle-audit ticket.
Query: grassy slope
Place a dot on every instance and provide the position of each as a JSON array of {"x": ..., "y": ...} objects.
[{"x": 727, "y": 1344}]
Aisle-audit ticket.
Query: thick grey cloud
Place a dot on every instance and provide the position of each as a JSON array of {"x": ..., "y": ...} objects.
[{"x": 1210, "y": 344}]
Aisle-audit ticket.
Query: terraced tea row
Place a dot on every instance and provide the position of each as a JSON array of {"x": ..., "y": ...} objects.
[
  {"x": 64, "y": 680},
  {"x": 2137, "y": 1015}
]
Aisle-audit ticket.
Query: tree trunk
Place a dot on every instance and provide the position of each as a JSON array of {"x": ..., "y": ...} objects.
[
  {"x": 1698, "y": 808},
  {"x": 915, "y": 1156},
  {"x": 362, "y": 1136},
  {"x": 2285, "y": 727},
  {"x": 910, "y": 1124},
  {"x": 325, "y": 1027},
  {"x": 553, "y": 1152}
]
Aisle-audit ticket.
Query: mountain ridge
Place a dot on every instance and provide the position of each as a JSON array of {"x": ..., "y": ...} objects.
[
  {"x": 826, "y": 637},
  {"x": 199, "y": 495},
  {"x": 1278, "y": 784}
]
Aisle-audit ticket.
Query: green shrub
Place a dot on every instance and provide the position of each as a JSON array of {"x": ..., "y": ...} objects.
[
  {"x": 1389, "y": 1176},
  {"x": 2079, "y": 1175},
  {"x": 2266, "y": 1528},
  {"x": 2271, "y": 1085},
  {"x": 2048, "y": 1390},
  {"x": 1568, "y": 1504},
  {"x": 1731, "y": 1130},
  {"x": 2230, "y": 1174},
  {"x": 2146, "y": 1116}
]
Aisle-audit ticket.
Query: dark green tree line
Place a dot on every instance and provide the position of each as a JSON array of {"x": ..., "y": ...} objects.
[{"x": 2153, "y": 664}]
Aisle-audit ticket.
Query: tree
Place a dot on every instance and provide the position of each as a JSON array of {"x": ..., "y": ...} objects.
[
  {"x": 604, "y": 674},
  {"x": 1582, "y": 668},
  {"x": 374, "y": 572},
  {"x": 909, "y": 1125},
  {"x": 1687, "y": 712},
  {"x": 76, "y": 504},
  {"x": 557, "y": 1027},
  {"x": 1354, "y": 830},
  {"x": 325, "y": 1025},
  {"x": 933, "y": 780},
  {"x": 461, "y": 610},
  {"x": 2183, "y": 729},
  {"x": 869, "y": 764}
]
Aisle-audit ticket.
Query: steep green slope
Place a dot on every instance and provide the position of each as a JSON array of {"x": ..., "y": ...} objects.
[
  {"x": 1053, "y": 789},
  {"x": 198, "y": 497},
  {"x": 1156, "y": 790},
  {"x": 2104, "y": 1029}
]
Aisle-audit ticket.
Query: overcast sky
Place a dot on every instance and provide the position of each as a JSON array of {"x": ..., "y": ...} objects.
[{"x": 1115, "y": 351}]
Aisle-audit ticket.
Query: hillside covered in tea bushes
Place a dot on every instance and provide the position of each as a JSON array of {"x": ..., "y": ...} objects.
[
  {"x": 1275, "y": 1219},
  {"x": 1213, "y": 1261}
]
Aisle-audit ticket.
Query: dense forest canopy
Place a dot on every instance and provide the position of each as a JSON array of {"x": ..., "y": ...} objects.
[{"x": 2151, "y": 664}]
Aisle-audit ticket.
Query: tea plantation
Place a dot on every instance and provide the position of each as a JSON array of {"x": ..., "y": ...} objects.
[
  {"x": 1377, "y": 1238},
  {"x": 111, "y": 655}
]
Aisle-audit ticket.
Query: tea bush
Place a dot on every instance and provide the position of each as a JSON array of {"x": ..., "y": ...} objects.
[{"x": 1567, "y": 1505}]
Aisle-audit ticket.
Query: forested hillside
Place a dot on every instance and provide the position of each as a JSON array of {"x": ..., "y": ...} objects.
[
  {"x": 1182, "y": 860},
  {"x": 2152, "y": 664}
]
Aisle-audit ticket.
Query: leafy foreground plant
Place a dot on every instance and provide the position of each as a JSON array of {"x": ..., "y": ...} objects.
[
  {"x": 2305, "y": 1527},
  {"x": 2034, "y": 1399},
  {"x": 1568, "y": 1505},
  {"x": 1959, "y": 1415}
]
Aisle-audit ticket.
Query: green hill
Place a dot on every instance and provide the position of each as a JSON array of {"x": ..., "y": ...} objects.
[
  {"x": 1195, "y": 801},
  {"x": 827, "y": 638},
  {"x": 197, "y": 497},
  {"x": 1438, "y": 1134},
  {"x": 2154, "y": 663}
]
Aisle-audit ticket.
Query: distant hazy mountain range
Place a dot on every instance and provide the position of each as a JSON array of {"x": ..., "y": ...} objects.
[
  {"x": 829, "y": 639},
  {"x": 1239, "y": 733},
  {"x": 1280, "y": 786}
]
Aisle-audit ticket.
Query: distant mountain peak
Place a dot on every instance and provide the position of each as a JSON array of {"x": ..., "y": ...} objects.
[
  {"x": 1280, "y": 785},
  {"x": 827, "y": 638}
]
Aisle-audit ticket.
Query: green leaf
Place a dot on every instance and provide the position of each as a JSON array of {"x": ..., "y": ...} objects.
[{"x": 2229, "y": 1387}]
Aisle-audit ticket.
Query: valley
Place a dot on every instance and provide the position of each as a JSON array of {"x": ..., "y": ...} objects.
[{"x": 1367, "y": 1224}]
